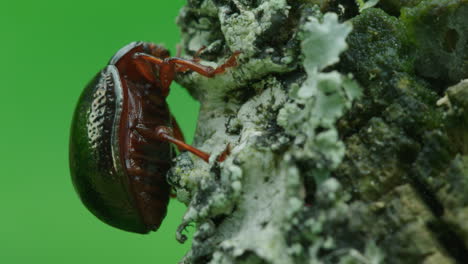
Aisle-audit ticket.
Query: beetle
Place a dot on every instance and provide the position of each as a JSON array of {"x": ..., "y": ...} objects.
[{"x": 121, "y": 129}]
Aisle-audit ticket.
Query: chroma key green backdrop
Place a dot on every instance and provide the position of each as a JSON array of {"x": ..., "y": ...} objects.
[{"x": 49, "y": 51}]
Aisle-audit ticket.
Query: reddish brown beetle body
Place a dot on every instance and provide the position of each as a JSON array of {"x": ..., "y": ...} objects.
[{"x": 119, "y": 145}]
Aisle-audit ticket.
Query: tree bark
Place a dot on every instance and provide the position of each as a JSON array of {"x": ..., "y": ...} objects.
[{"x": 348, "y": 131}]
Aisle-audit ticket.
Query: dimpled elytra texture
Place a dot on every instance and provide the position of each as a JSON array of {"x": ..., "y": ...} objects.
[{"x": 343, "y": 148}]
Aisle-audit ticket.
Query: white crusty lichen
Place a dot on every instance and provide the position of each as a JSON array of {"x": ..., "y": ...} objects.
[{"x": 278, "y": 111}]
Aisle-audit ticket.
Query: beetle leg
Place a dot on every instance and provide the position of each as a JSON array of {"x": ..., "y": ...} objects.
[
  {"x": 146, "y": 70},
  {"x": 166, "y": 70},
  {"x": 177, "y": 131},
  {"x": 194, "y": 66},
  {"x": 148, "y": 58},
  {"x": 179, "y": 50},
  {"x": 225, "y": 153},
  {"x": 202, "y": 69},
  {"x": 164, "y": 133},
  {"x": 196, "y": 58}
]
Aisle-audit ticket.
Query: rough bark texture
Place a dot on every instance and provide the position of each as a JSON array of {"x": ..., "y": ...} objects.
[{"x": 348, "y": 127}]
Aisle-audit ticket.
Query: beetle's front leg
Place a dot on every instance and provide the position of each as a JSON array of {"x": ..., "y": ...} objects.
[
  {"x": 191, "y": 64},
  {"x": 196, "y": 58},
  {"x": 146, "y": 70},
  {"x": 202, "y": 69}
]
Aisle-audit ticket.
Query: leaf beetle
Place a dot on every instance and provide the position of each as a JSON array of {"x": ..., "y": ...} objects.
[{"x": 120, "y": 134}]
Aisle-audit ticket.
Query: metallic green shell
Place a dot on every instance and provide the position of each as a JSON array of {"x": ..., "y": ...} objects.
[{"x": 96, "y": 168}]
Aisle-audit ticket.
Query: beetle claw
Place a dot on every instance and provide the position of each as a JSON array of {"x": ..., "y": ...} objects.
[
  {"x": 225, "y": 153},
  {"x": 179, "y": 236}
]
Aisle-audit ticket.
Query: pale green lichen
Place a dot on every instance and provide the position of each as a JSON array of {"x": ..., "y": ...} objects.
[{"x": 322, "y": 98}]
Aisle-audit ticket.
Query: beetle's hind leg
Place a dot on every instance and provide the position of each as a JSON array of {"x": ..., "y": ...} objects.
[
  {"x": 165, "y": 133},
  {"x": 177, "y": 131}
]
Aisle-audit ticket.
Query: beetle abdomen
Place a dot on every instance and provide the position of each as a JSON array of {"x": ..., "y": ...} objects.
[
  {"x": 96, "y": 169},
  {"x": 146, "y": 160}
]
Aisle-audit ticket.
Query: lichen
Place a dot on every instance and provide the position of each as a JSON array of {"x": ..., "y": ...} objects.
[
  {"x": 347, "y": 146},
  {"x": 316, "y": 105}
]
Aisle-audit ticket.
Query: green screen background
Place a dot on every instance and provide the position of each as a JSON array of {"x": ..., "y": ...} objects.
[{"x": 49, "y": 51}]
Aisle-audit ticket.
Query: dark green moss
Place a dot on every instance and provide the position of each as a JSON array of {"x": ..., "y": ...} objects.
[
  {"x": 375, "y": 160},
  {"x": 457, "y": 121},
  {"x": 377, "y": 47},
  {"x": 393, "y": 7},
  {"x": 457, "y": 183},
  {"x": 401, "y": 146},
  {"x": 439, "y": 32}
]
